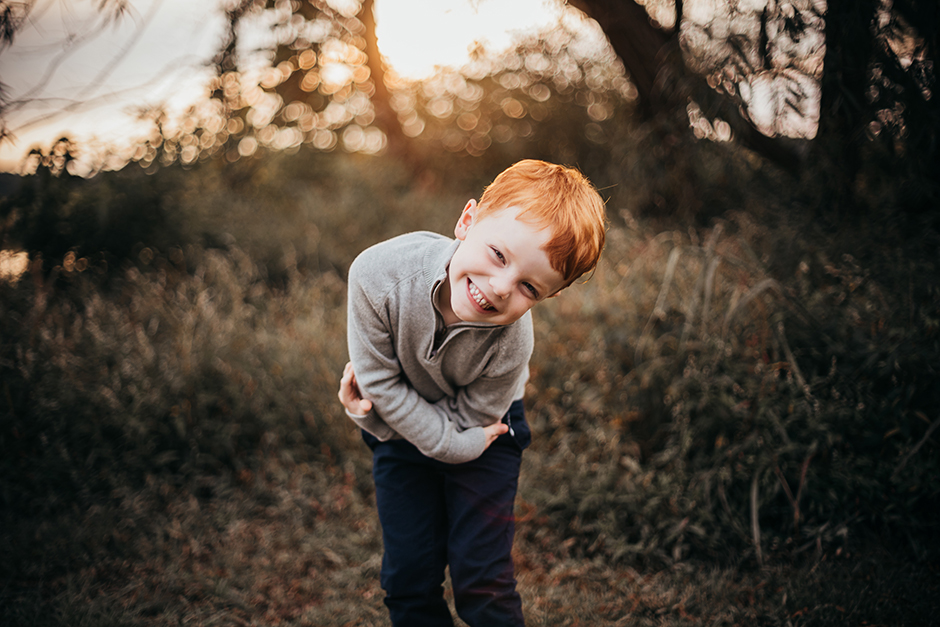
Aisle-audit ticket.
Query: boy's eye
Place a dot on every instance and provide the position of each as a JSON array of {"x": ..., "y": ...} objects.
[
  {"x": 531, "y": 289},
  {"x": 498, "y": 254}
]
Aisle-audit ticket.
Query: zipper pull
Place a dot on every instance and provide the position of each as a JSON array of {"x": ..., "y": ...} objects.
[{"x": 509, "y": 424}]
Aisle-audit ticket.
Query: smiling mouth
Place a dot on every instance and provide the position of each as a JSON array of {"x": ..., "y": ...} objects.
[{"x": 478, "y": 297}]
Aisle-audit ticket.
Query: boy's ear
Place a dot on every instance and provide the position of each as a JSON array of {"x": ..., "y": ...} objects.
[{"x": 466, "y": 220}]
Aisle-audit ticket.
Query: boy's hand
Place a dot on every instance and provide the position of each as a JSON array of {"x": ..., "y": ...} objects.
[
  {"x": 351, "y": 398},
  {"x": 349, "y": 394},
  {"x": 494, "y": 431}
]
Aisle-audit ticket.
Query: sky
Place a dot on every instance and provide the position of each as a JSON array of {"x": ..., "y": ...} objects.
[
  {"x": 413, "y": 49},
  {"x": 157, "y": 53}
]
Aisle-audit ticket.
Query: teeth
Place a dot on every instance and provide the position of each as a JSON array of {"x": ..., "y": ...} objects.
[{"x": 478, "y": 297}]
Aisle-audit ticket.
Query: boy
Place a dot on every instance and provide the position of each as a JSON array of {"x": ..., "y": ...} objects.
[{"x": 440, "y": 337}]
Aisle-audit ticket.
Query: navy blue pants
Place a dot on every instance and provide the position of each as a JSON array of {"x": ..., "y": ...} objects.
[{"x": 435, "y": 514}]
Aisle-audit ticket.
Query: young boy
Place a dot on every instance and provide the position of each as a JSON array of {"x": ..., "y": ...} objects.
[{"x": 440, "y": 337}]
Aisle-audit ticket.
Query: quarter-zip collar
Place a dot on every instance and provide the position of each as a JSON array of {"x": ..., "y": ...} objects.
[{"x": 436, "y": 263}]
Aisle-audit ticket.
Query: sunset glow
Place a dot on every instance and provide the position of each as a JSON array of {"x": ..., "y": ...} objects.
[
  {"x": 417, "y": 35},
  {"x": 158, "y": 54}
]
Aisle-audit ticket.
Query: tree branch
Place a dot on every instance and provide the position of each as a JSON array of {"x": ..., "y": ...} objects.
[
  {"x": 652, "y": 58},
  {"x": 122, "y": 53}
]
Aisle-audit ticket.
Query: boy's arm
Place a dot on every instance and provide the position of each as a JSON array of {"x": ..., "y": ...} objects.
[
  {"x": 357, "y": 407},
  {"x": 402, "y": 410}
]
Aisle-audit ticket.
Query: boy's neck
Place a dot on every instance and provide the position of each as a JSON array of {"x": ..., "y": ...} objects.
[{"x": 443, "y": 304}]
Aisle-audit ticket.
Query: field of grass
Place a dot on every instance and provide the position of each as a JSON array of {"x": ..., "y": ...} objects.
[{"x": 733, "y": 425}]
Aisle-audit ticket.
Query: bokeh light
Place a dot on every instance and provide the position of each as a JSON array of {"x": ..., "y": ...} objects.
[{"x": 767, "y": 57}]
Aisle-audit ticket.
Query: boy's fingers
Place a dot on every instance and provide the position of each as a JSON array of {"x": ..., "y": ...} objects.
[
  {"x": 349, "y": 394},
  {"x": 346, "y": 389},
  {"x": 493, "y": 431}
]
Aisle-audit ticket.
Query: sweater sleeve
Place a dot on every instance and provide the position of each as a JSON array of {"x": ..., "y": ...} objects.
[
  {"x": 487, "y": 399},
  {"x": 397, "y": 406}
]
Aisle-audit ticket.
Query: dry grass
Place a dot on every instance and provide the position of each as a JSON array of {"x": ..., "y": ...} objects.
[
  {"x": 293, "y": 546},
  {"x": 174, "y": 453}
]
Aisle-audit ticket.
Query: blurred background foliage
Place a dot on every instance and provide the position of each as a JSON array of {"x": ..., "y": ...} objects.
[{"x": 750, "y": 377}]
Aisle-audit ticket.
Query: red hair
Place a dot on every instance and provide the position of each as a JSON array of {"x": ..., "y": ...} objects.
[{"x": 556, "y": 197}]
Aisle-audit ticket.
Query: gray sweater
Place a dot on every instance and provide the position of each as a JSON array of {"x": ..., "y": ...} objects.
[{"x": 432, "y": 385}]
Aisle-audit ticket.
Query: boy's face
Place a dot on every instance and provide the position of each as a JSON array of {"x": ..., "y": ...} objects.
[{"x": 499, "y": 270}]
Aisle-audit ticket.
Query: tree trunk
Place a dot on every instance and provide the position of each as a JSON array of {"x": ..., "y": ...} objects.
[
  {"x": 641, "y": 46},
  {"x": 843, "y": 113},
  {"x": 386, "y": 119}
]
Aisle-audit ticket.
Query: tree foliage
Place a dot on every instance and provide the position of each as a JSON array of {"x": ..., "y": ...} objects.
[
  {"x": 828, "y": 92},
  {"x": 865, "y": 70},
  {"x": 323, "y": 83},
  {"x": 880, "y": 115}
]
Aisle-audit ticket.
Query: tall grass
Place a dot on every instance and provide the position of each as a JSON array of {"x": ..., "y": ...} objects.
[
  {"x": 689, "y": 403},
  {"x": 166, "y": 370},
  {"x": 165, "y": 434},
  {"x": 172, "y": 450}
]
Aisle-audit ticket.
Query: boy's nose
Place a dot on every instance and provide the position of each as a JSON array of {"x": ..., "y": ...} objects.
[{"x": 500, "y": 286}]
